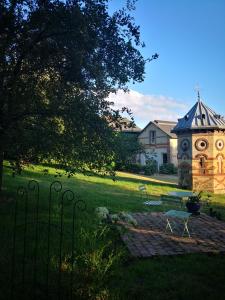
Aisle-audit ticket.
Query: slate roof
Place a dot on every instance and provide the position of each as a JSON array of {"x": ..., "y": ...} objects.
[
  {"x": 165, "y": 126},
  {"x": 200, "y": 117}
]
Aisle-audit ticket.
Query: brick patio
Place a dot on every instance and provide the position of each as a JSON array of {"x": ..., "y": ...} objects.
[{"x": 149, "y": 237}]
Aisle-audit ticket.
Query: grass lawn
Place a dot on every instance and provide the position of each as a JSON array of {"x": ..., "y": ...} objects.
[{"x": 192, "y": 276}]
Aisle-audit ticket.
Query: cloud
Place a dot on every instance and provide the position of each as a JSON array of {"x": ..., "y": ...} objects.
[{"x": 147, "y": 108}]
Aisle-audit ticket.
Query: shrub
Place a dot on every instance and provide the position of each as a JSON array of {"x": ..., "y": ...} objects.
[
  {"x": 168, "y": 168},
  {"x": 151, "y": 167},
  {"x": 133, "y": 168}
]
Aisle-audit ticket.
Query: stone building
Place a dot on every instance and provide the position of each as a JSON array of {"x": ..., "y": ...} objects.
[
  {"x": 158, "y": 142},
  {"x": 201, "y": 149}
]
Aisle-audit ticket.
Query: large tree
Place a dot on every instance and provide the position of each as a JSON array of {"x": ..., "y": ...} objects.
[{"x": 59, "y": 60}]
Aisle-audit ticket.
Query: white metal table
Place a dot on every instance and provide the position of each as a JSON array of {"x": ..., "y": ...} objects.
[
  {"x": 183, "y": 215},
  {"x": 182, "y": 195}
]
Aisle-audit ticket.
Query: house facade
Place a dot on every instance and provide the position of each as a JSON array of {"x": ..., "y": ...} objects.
[{"x": 158, "y": 142}]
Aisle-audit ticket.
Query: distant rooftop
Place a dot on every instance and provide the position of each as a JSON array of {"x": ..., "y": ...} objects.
[
  {"x": 165, "y": 126},
  {"x": 165, "y": 122},
  {"x": 200, "y": 117},
  {"x": 127, "y": 125}
]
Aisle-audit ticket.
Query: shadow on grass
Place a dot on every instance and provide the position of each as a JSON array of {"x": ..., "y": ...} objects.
[
  {"x": 146, "y": 181},
  {"x": 45, "y": 179}
]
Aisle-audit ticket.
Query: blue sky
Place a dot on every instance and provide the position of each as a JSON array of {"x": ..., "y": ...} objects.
[{"x": 189, "y": 36}]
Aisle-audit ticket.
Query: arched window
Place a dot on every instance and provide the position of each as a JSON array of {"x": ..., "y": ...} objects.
[
  {"x": 202, "y": 165},
  {"x": 220, "y": 164}
]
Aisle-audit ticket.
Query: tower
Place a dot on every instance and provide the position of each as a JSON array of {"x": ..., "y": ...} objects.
[{"x": 201, "y": 149}]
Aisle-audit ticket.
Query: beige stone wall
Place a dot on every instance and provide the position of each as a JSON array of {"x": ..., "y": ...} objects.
[
  {"x": 206, "y": 164},
  {"x": 156, "y": 150},
  {"x": 214, "y": 178},
  {"x": 161, "y": 137},
  {"x": 173, "y": 151},
  {"x": 184, "y": 161}
]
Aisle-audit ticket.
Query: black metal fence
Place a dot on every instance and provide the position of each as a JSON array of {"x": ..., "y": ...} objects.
[{"x": 43, "y": 243}]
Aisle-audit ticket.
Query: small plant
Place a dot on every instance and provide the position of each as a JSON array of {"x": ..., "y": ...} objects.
[
  {"x": 195, "y": 198},
  {"x": 193, "y": 204},
  {"x": 104, "y": 216},
  {"x": 102, "y": 213},
  {"x": 151, "y": 167}
]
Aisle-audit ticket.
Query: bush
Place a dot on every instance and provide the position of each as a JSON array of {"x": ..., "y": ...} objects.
[
  {"x": 133, "y": 168},
  {"x": 151, "y": 167},
  {"x": 168, "y": 168}
]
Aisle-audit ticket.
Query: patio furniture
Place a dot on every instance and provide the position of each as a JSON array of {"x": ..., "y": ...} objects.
[
  {"x": 143, "y": 191},
  {"x": 177, "y": 197},
  {"x": 153, "y": 202},
  {"x": 168, "y": 200},
  {"x": 171, "y": 216},
  {"x": 182, "y": 195}
]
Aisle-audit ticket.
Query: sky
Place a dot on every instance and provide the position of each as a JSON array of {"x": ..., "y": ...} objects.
[{"x": 189, "y": 36}]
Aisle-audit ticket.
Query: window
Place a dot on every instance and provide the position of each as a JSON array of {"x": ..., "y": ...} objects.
[
  {"x": 202, "y": 165},
  {"x": 152, "y": 137},
  {"x": 201, "y": 144},
  {"x": 220, "y": 164},
  {"x": 165, "y": 158}
]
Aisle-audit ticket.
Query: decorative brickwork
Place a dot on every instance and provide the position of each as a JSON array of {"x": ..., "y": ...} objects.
[{"x": 201, "y": 151}]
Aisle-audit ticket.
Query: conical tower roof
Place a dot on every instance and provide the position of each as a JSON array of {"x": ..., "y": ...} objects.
[{"x": 200, "y": 117}]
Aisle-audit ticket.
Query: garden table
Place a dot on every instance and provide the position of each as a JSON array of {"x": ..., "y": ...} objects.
[
  {"x": 182, "y": 195},
  {"x": 183, "y": 215}
]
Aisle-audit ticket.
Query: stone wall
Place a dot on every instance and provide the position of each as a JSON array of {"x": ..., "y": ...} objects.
[{"x": 202, "y": 161}]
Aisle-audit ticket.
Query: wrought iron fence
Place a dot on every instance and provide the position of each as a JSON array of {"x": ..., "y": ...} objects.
[{"x": 43, "y": 243}]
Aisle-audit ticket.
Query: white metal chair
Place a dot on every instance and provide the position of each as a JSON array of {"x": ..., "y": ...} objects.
[{"x": 143, "y": 192}]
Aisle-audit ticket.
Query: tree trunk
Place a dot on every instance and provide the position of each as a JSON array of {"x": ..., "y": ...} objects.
[{"x": 1, "y": 168}]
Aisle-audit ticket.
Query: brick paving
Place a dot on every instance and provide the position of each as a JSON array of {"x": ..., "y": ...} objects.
[{"x": 150, "y": 239}]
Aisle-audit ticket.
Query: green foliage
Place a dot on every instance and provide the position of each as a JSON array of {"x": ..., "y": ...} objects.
[
  {"x": 104, "y": 216},
  {"x": 127, "y": 147},
  {"x": 129, "y": 278},
  {"x": 151, "y": 167},
  {"x": 168, "y": 168},
  {"x": 96, "y": 264},
  {"x": 133, "y": 168},
  {"x": 59, "y": 60},
  {"x": 195, "y": 198}
]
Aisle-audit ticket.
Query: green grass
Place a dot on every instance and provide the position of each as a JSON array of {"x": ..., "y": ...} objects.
[{"x": 194, "y": 276}]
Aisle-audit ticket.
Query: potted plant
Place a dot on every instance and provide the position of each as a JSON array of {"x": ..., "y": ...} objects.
[{"x": 193, "y": 204}]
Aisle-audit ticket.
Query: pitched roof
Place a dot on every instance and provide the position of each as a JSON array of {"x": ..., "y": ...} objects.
[
  {"x": 200, "y": 117},
  {"x": 165, "y": 126},
  {"x": 126, "y": 126}
]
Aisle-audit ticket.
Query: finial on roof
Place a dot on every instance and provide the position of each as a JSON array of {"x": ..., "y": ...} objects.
[
  {"x": 199, "y": 96},
  {"x": 197, "y": 89}
]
